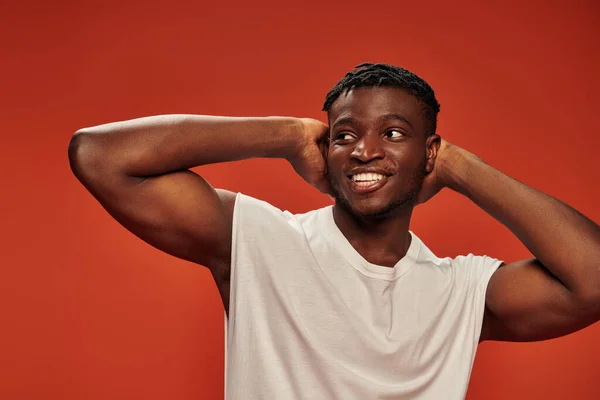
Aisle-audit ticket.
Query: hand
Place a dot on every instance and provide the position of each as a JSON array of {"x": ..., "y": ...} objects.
[
  {"x": 440, "y": 175},
  {"x": 309, "y": 162}
]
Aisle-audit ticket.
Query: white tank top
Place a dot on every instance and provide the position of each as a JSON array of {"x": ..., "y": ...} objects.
[{"x": 310, "y": 318}]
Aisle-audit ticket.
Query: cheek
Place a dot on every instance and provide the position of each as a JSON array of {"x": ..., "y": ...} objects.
[
  {"x": 410, "y": 158},
  {"x": 335, "y": 160}
]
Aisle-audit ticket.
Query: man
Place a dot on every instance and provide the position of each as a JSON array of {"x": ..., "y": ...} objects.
[{"x": 345, "y": 302}]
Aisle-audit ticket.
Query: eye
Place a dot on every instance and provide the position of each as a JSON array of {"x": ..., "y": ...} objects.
[
  {"x": 394, "y": 134},
  {"x": 343, "y": 136}
]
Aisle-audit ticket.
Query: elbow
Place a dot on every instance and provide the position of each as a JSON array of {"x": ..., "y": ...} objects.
[
  {"x": 75, "y": 145},
  {"x": 81, "y": 153},
  {"x": 74, "y": 152}
]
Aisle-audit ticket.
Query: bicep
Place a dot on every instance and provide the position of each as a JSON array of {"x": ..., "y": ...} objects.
[
  {"x": 525, "y": 302},
  {"x": 179, "y": 213}
]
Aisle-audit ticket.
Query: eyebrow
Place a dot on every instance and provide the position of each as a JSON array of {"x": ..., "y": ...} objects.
[
  {"x": 386, "y": 117},
  {"x": 400, "y": 117}
]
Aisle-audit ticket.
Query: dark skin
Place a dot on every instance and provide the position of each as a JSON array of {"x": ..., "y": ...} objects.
[
  {"x": 154, "y": 195},
  {"x": 381, "y": 129},
  {"x": 553, "y": 294}
]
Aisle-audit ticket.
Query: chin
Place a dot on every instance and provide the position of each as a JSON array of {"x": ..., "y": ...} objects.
[
  {"x": 382, "y": 203},
  {"x": 374, "y": 208}
]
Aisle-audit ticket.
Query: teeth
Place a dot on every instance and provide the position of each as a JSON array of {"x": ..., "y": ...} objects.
[{"x": 368, "y": 177}]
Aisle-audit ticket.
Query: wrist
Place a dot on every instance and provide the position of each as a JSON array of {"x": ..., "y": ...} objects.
[
  {"x": 288, "y": 136},
  {"x": 296, "y": 139},
  {"x": 457, "y": 165}
]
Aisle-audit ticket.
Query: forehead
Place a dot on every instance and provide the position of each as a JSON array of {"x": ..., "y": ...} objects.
[{"x": 370, "y": 103}]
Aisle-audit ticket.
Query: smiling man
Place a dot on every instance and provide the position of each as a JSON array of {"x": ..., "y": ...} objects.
[{"x": 344, "y": 302}]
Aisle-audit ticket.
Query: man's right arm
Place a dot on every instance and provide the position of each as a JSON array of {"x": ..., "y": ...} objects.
[{"x": 139, "y": 172}]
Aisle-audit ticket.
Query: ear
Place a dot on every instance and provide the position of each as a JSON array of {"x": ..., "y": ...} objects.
[{"x": 432, "y": 145}]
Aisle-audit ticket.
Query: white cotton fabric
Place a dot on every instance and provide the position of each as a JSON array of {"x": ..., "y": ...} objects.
[{"x": 310, "y": 318}]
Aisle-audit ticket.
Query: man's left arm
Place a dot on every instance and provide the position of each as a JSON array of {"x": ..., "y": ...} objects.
[{"x": 551, "y": 295}]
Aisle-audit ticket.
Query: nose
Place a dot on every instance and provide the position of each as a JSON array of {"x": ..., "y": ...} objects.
[{"x": 368, "y": 148}]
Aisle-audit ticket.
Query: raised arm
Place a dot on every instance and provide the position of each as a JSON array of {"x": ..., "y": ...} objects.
[
  {"x": 553, "y": 294},
  {"x": 139, "y": 172}
]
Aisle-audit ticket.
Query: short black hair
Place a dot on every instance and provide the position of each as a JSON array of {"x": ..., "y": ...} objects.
[{"x": 386, "y": 75}]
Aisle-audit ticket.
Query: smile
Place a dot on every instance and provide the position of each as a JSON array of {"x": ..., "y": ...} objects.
[{"x": 364, "y": 183}]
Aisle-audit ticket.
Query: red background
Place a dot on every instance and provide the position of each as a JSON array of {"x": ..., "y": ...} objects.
[{"x": 88, "y": 311}]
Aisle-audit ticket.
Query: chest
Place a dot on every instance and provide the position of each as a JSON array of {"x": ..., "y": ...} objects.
[{"x": 353, "y": 316}]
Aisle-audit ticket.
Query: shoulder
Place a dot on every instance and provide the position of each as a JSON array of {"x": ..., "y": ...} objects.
[
  {"x": 253, "y": 208},
  {"x": 253, "y": 213},
  {"x": 480, "y": 267},
  {"x": 470, "y": 265},
  {"x": 475, "y": 263},
  {"x": 473, "y": 271}
]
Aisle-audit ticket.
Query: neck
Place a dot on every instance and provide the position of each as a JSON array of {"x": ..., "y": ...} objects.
[{"x": 381, "y": 241}]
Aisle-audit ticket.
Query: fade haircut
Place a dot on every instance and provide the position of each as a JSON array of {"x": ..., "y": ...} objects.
[{"x": 385, "y": 75}]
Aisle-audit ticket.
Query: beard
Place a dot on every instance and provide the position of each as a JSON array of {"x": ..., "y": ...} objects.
[{"x": 404, "y": 199}]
